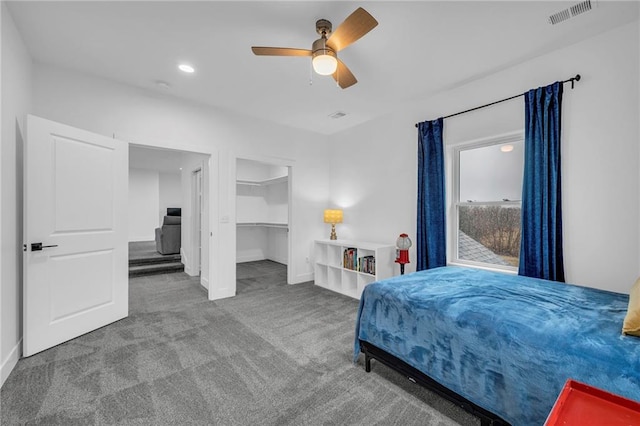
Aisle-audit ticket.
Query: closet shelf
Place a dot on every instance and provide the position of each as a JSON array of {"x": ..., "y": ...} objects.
[
  {"x": 271, "y": 181},
  {"x": 264, "y": 224}
]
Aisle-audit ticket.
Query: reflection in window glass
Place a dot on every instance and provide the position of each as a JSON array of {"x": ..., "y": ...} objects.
[
  {"x": 492, "y": 173},
  {"x": 488, "y": 205}
]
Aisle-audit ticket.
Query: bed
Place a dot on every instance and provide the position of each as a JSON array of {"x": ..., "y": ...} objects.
[{"x": 500, "y": 345}]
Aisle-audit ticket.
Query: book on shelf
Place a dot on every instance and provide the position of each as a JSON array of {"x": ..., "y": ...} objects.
[
  {"x": 350, "y": 258},
  {"x": 367, "y": 264}
]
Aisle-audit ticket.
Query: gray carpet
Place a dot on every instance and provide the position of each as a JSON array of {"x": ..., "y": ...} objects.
[
  {"x": 273, "y": 355},
  {"x": 146, "y": 250}
]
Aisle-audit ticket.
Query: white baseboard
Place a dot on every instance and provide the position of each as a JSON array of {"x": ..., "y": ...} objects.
[
  {"x": 249, "y": 258},
  {"x": 9, "y": 364},
  {"x": 222, "y": 293},
  {"x": 281, "y": 260},
  {"x": 303, "y": 278},
  {"x": 204, "y": 282}
]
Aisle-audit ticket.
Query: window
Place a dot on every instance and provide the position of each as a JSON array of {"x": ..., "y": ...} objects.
[{"x": 486, "y": 201}]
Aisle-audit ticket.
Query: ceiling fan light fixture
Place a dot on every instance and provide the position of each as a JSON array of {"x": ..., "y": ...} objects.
[
  {"x": 324, "y": 58},
  {"x": 324, "y": 51},
  {"x": 325, "y": 64}
]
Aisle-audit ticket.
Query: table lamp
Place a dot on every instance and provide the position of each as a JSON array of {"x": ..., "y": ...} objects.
[{"x": 333, "y": 217}]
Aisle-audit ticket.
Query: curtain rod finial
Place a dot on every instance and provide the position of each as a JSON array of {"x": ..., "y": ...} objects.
[{"x": 574, "y": 79}]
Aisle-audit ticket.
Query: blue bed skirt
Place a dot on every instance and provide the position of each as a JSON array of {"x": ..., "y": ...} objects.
[{"x": 506, "y": 343}]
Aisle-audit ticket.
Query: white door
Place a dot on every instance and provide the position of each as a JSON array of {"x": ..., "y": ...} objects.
[
  {"x": 75, "y": 200},
  {"x": 197, "y": 219}
]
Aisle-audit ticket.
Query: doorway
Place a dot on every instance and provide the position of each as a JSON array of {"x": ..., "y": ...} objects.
[{"x": 170, "y": 186}]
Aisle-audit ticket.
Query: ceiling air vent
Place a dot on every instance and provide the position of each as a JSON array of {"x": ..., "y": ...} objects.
[
  {"x": 574, "y": 10},
  {"x": 337, "y": 114}
]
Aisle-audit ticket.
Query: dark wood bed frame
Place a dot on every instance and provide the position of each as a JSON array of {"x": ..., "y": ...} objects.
[{"x": 370, "y": 352}]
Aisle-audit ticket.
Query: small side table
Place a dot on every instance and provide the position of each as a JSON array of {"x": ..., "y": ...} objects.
[{"x": 582, "y": 405}]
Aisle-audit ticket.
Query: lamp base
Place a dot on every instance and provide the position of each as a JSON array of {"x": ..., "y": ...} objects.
[{"x": 333, "y": 232}]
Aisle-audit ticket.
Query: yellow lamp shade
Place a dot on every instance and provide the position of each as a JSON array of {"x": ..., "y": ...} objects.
[{"x": 333, "y": 216}]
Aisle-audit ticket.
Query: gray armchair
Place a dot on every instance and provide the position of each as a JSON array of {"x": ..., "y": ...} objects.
[{"x": 168, "y": 236}]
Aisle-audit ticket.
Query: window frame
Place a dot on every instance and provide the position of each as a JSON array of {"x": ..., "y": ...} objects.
[{"x": 454, "y": 203}]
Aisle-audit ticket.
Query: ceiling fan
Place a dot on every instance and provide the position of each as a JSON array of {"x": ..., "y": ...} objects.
[{"x": 324, "y": 51}]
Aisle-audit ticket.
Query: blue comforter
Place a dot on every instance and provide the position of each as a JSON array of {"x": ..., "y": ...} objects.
[{"x": 506, "y": 343}]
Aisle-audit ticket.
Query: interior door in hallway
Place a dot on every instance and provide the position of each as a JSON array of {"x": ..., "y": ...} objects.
[
  {"x": 75, "y": 218},
  {"x": 198, "y": 213}
]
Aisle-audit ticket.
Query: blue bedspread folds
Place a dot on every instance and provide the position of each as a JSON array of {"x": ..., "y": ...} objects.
[{"x": 507, "y": 343}]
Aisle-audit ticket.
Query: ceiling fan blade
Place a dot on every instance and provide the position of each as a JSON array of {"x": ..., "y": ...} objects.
[
  {"x": 355, "y": 26},
  {"x": 344, "y": 76},
  {"x": 280, "y": 51}
]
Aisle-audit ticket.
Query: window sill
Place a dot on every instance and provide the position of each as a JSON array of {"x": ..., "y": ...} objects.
[{"x": 511, "y": 271}]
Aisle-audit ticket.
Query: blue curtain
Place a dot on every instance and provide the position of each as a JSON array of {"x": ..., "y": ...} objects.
[
  {"x": 431, "y": 234},
  {"x": 541, "y": 245}
]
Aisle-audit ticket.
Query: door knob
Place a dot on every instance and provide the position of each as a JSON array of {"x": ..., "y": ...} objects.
[{"x": 39, "y": 246}]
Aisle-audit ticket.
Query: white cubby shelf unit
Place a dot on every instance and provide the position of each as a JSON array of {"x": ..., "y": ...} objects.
[{"x": 330, "y": 273}]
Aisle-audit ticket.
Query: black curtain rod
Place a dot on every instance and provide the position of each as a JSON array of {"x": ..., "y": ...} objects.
[{"x": 572, "y": 80}]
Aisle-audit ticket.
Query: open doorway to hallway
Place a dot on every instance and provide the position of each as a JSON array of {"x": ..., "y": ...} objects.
[{"x": 168, "y": 200}]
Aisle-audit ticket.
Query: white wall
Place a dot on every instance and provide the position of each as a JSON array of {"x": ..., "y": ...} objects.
[
  {"x": 153, "y": 119},
  {"x": 144, "y": 204},
  {"x": 251, "y": 244},
  {"x": 150, "y": 193},
  {"x": 251, "y": 203},
  {"x": 278, "y": 200},
  {"x": 277, "y": 195},
  {"x": 16, "y": 103},
  {"x": 600, "y": 155},
  {"x": 170, "y": 192},
  {"x": 277, "y": 248},
  {"x": 260, "y": 243}
]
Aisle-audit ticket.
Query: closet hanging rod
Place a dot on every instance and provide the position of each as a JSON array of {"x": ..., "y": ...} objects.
[{"x": 572, "y": 80}]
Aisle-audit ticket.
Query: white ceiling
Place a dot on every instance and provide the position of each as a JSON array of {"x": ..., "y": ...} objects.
[{"x": 418, "y": 49}]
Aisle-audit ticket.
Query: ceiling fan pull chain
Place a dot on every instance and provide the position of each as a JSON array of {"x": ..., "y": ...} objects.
[{"x": 310, "y": 73}]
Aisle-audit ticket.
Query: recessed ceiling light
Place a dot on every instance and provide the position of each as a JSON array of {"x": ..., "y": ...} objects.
[
  {"x": 163, "y": 85},
  {"x": 506, "y": 148},
  {"x": 186, "y": 68}
]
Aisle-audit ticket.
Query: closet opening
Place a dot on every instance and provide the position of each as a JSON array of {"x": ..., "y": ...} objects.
[{"x": 262, "y": 215}]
